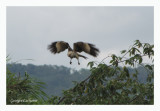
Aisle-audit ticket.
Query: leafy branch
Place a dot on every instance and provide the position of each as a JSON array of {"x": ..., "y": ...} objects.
[{"x": 96, "y": 84}]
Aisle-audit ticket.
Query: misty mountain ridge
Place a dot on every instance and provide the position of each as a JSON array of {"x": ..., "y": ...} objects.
[{"x": 59, "y": 78}]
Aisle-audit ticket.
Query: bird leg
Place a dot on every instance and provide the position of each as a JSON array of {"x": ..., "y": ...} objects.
[
  {"x": 71, "y": 61},
  {"x": 78, "y": 62}
]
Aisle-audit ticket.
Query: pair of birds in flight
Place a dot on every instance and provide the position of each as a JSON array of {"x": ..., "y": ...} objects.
[{"x": 60, "y": 46}]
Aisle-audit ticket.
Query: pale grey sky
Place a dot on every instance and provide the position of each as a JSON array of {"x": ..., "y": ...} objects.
[{"x": 31, "y": 29}]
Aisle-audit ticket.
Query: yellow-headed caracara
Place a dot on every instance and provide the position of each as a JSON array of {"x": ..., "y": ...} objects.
[{"x": 59, "y": 46}]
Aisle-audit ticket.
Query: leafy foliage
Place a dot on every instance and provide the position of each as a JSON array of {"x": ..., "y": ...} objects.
[
  {"x": 24, "y": 90},
  {"x": 112, "y": 84}
]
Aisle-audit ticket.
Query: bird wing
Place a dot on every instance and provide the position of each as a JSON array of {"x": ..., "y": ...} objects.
[
  {"x": 86, "y": 47},
  {"x": 58, "y": 46}
]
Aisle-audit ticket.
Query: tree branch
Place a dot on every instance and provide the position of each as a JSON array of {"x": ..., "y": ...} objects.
[{"x": 62, "y": 99}]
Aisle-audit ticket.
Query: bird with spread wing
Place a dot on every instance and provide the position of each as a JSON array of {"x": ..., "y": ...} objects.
[{"x": 60, "y": 46}]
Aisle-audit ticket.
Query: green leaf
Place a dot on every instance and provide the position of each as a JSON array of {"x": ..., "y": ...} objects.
[
  {"x": 149, "y": 67},
  {"x": 111, "y": 61},
  {"x": 140, "y": 60},
  {"x": 90, "y": 64},
  {"x": 133, "y": 51},
  {"x": 126, "y": 70},
  {"x": 123, "y": 51}
]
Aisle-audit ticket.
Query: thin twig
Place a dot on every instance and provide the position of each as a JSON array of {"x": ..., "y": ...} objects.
[
  {"x": 133, "y": 99},
  {"x": 19, "y": 75},
  {"x": 61, "y": 100}
]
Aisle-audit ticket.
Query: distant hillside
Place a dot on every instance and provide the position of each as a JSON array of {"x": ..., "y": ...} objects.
[{"x": 58, "y": 78}]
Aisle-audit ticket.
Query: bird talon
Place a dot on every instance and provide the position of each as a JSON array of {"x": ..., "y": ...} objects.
[
  {"x": 78, "y": 63},
  {"x": 70, "y": 62}
]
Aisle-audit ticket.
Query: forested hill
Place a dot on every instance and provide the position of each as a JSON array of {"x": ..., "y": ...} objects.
[{"x": 58, "y": 78}]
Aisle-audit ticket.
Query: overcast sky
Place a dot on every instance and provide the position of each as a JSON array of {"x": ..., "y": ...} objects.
[{"x": 31, "y": 29}]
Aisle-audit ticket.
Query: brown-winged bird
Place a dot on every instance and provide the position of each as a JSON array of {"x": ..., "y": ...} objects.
[{"x": 59, "y": 46}]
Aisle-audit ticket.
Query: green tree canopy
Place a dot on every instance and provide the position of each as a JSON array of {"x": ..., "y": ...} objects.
[{"x": 114, "y": 84}]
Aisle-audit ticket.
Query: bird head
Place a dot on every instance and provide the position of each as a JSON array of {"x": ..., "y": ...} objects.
[{"x": 69, "y": 48}]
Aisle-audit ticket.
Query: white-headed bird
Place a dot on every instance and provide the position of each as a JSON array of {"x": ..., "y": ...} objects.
[{"x": 59, "y": 46}]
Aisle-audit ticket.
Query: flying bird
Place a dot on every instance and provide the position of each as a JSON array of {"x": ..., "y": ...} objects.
[{"x": 60, "y": 46}]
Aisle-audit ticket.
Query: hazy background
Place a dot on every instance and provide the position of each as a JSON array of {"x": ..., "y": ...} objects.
[{"x": 31, "y": 29}]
